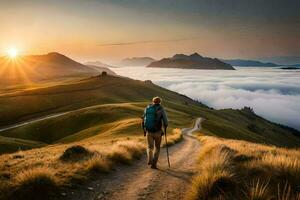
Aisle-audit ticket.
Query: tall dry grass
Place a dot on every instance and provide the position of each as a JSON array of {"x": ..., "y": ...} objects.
[
  {"x": 99, "y": 164},
  {"x": 173, "y": 138},
  {"x": 258, "y": 190},
  {"x": 40, "y": 173},
  {"x": 247, "y": 170},
  {"x": 125, "y": 151},
  {"x": 64, "y": 165},
  {"x": 217, "y": 175},
  {"x": 35, "y": 183}
]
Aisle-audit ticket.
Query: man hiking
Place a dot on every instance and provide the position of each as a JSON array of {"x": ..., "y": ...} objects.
[{"x": 153, "y": 119}]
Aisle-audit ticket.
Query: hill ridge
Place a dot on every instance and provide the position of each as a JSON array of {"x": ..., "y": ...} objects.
[
  {"x": 122, "y": 92},
  {"x": 193, "y": 61}
]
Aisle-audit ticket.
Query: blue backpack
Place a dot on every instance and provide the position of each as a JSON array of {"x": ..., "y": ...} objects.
[{"x": 152, "y": 120}]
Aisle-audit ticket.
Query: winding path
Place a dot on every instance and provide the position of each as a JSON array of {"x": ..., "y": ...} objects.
[{"x": 140, "y": 182}]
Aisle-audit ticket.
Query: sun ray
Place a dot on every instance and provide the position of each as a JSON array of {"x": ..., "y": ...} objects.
[
  {"x": 12, "y": 53},
  {"x": 15, "y": 70}
]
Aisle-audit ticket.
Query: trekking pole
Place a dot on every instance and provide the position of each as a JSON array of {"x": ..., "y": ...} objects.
[{"x": 167, "y": 148}]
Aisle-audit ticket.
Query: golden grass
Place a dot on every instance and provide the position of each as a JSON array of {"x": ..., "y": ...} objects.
[
  {"x": 125, "y": 151},
  {"x": 216, "y": 177},
  {"x": 73, "y": 163},
  {"x": 258, "y": 190},
  {"x": 244, "y": 165},
  {"x": 173, "y": 138},
  {"x": 39, "y": 167},
  {"x": 35, "y": 183},
  {"x": 99, "y": 164}
]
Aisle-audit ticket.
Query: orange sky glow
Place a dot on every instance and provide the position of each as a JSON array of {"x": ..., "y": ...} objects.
[{"x": 112, "y": 30}]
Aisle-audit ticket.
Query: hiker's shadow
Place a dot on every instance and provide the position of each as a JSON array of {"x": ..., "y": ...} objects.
[{"x": 183, "y": 175}]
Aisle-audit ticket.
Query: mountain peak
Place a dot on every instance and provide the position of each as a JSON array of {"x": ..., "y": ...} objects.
[
  {"x": 195, "y": 55},
  {"x": 55, "y": 54},
  {"x": 48, "y": 66},
  {"x": 137, "y": 61},
  {"x": 180, "y": 56},
  {"x": 183, "y": 56},
  {"x": 193, "y": 61}
]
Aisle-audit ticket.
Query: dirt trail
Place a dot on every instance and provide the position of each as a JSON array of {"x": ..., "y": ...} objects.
[{"x": 140, "y": 182}]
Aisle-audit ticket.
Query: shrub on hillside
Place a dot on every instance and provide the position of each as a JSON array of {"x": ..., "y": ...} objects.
[
  {"x": 136, "y": 149},
  {"x": 75, "y": 153},
  {"x": 217, "y": 176},
  {"x": 125, "y": 151},
  {"x": 99, "y": 164},
  {"x": 36, "y": 183}
]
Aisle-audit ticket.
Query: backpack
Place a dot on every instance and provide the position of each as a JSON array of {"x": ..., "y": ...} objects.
[{"x": 152, "y": 119}]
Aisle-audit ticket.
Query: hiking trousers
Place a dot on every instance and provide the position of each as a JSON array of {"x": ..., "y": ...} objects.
[{"x": 153, "y": 140}]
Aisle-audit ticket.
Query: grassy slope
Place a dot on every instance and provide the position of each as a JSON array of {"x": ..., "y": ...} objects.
[
  {"x": 114, "y": 106},
  {"x": 32, "y": 69},
  {"x": 232, "y": 169},
  {"x": 34, "y": 103},
  {"x": 246, "y": 125},
  {"x": 9, "y": 144}
]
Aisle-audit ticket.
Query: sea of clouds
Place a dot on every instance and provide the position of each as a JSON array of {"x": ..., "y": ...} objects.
[{"x": 273, "y": 93}]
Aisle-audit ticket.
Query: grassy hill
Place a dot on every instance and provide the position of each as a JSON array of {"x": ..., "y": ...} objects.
[
  {"x": 109, "y": 107},
  {"x": 10, "y": 144},
  {"x": 31, "y": 69},
  {"x": 99, "y": 128}
]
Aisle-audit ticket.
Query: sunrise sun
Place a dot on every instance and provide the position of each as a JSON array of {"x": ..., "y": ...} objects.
[{"x": 12, "y": 52}]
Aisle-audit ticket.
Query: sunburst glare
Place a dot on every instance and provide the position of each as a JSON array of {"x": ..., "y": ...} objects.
[{"x": 12, "y": 52}]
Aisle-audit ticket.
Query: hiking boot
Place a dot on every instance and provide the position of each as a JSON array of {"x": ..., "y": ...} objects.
[
  {"x": 154, "y": 167},
  {"x": 149, "y": 163}
]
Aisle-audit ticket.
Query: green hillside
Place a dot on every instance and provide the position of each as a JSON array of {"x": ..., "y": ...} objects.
[
  {"x": 109, "y": 107},
  {"x": 94, "y": 91},
  {"x": 9, "y": 144},
  {"x": 244, "y": 124}
]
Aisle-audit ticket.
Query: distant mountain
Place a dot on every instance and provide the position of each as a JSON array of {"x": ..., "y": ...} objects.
[
  {"x": 99, "y": 64},
  {"x": 282, "y": 60},
  {"x": 136, "y": 61},
  {"x": 193, "y": 61},
  {"x": 102, "y": 69},
  {"x": 295, "y": 65},
  {"x": 248, "y": 63},
  {"x": 32, "y": 68},
  {"x": 290, "y": 68}
]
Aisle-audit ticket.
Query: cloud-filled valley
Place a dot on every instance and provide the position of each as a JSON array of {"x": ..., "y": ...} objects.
[{"x": 272, "y": 93}]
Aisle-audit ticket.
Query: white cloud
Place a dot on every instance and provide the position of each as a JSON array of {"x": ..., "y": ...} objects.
[{"x": 272, "y": 93}]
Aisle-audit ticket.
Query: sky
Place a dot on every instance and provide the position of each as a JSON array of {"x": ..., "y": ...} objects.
[{"x": 113, "y": 29}]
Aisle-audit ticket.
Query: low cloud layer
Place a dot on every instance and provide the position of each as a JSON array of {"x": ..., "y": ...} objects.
[{"x": 273, "y": 93}]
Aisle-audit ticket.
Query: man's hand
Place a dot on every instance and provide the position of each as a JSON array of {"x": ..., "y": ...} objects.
[{"x": 164, "y": 132}]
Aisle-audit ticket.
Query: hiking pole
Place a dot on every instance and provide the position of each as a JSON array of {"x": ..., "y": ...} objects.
[{"x": 167, "y": 147}]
